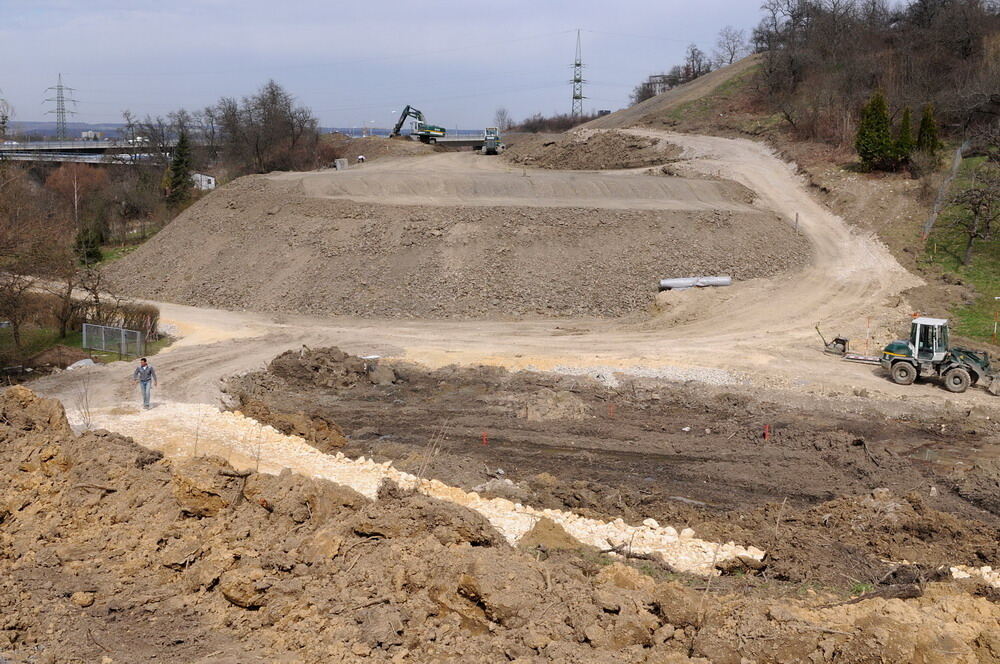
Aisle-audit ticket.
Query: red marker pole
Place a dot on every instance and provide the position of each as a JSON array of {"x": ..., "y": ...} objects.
[
  {"x": 485, "y": 439},
  {"x": 767, "y": 432}
]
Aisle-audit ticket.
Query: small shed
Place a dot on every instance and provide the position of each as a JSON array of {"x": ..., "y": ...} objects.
[{"x": 203, "y": 182}]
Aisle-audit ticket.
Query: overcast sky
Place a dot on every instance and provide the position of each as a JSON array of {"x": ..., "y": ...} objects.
[{"x": 350, "y": 62}]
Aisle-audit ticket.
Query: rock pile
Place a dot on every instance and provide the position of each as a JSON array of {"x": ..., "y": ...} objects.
[{"x": 588, "y": 149}]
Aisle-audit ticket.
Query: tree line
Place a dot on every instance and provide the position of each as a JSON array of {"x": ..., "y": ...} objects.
[
  {"x": 258, "y": 133},
  {"x": 731, "y": 45},
  {"x": 56, "y": 220},
  {"x": 821, "y": 60}
]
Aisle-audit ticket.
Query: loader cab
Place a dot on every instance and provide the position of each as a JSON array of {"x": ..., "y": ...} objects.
[{"x": 929, "y": 339}]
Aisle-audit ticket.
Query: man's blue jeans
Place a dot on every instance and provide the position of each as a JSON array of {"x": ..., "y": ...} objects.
[{"x": 144, "y": 386}]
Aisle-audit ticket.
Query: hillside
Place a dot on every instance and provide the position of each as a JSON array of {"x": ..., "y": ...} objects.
[{"x": 659, "y": 106}]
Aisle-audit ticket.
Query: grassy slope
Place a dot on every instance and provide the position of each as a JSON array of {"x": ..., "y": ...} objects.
[{"x": 945, "y": 247}]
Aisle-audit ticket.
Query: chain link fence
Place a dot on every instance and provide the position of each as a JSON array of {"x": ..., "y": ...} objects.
[{"x": 128, "y": 343}]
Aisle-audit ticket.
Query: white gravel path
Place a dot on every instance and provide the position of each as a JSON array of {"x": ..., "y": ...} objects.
[{"x": 185, "y": 429}]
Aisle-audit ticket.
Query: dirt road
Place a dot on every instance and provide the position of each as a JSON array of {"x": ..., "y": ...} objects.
[{"x": 758, "y": 333}]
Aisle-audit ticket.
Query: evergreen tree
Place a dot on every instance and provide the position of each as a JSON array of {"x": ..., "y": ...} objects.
[
  {"x": 927, "y": 135},
  {"x": 88, "y": 244},
  {"x": 904, "y": 138},
  {"x": 874, "y": 140},
  {"x": 179, "y": 174}
]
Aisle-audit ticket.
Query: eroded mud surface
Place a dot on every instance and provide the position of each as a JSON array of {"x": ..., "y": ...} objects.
[{"x": 830, "y": 497}]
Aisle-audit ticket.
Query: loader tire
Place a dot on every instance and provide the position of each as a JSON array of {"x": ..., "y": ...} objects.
[
  {"x": 957, "y": 380},
  {"x": 903, "y": 373}
]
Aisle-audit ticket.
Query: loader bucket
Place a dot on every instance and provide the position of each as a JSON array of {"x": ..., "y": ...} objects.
[{"x": 994, "y": 386}]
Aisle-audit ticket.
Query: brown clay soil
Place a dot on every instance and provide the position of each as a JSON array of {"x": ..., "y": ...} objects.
[
  {"x": 111, "y": 553},
  {"x": 833, "y": 498},
  {"x": 374, "y": 147},
  {"x": 306, "y": 245},
  {"x": 590, "y": 150}
]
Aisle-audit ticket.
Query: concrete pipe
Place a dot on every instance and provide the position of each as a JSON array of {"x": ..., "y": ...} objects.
[{"x": 682, "y": 283}]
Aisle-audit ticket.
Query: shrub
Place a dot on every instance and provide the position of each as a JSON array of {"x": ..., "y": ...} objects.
[
  {"x": 874, "y": 140},
  {"x": 927, "y": 135}
]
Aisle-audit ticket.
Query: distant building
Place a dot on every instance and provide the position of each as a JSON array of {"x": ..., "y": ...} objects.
[
  {"x": 203, "y": 182},
  {"x": 603, "y": 112},
  {"x": 92, "y": 135}
]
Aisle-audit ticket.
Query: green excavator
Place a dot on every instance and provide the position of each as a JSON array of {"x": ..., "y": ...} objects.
[
  {"x": 427, "y": 133},
  {"x": 928, "y": 353}
]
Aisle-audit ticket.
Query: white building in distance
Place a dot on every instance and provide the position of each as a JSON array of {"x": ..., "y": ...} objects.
[{"x": 203, "y": 182}]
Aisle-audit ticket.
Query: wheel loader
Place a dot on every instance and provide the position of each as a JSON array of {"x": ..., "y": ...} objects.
[
  {"x": 928, "y": 353},
  {"x": 491, "y": 141}
]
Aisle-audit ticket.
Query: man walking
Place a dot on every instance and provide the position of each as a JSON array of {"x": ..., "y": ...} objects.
[{"x": 144, "y": 375}]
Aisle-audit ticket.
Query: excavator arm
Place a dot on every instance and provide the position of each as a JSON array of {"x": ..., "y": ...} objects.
[{"x": 408, "y": 112}]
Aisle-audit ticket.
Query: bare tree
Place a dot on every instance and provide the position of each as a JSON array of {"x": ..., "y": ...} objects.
[
  {"x": 15, "y": 288},
  {"x": 696, "y": 63},
  {"x": 207, "y": 131},
  {"x": 642, "y": 92},
  {"x": 731, "y": 45},
  {"x": 266, "y": 131},
  {"x": 979, "y": 208},
  {"x": 74, "y": 183},
  {"x": 6, "y": 112},
  {"x": 502, "y": 119},
  {"x": 21, "y": 221},
  {"x": 60, "y": 264}
]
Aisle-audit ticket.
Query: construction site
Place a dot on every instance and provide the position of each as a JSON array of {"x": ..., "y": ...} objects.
[{"x": 436, "y": 405}]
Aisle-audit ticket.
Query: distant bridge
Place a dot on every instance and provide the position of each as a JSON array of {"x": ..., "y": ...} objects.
[{"x": 87, "y": 152}]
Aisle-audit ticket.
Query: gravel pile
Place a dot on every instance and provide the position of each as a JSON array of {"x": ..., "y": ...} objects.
[{"x": 590, "y": 149}]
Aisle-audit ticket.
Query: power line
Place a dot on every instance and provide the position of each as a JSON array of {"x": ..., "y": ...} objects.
[
  {"x": 578, "y": 81},
  {"x": 60, "y": 111}
]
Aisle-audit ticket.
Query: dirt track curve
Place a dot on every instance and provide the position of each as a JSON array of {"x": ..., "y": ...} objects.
[
  {"x": 756, "y": 337},
  {"x": 760, "y": 331}
]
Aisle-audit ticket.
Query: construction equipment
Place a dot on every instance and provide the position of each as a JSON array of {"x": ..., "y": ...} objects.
[
  {"x": 684, "y": 283},
  {"x": 928, "y": 353},
  {"x": 427, "y": 133},
  {"x": 839, "y": 345},
  {"x": 491, "y": 141}
]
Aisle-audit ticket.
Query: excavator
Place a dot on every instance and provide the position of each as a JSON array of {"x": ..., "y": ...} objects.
[{"x": 427, "y": 133}]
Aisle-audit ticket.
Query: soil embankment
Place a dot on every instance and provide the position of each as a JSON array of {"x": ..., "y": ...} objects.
[
  {"x": 306, "y": 245},
  {"x": 110, "y": 552},
  {"x": 373, "y": 148},
  {"x": 590, "y": 150}
]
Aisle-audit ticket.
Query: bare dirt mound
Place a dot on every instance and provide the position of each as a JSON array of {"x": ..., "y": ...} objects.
[
  {"x": 375, "y": 147},
  {"x": 589, "y": 150},
  {"x": 266, "y": 245},
  {"x": 110, "y": 553}
]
